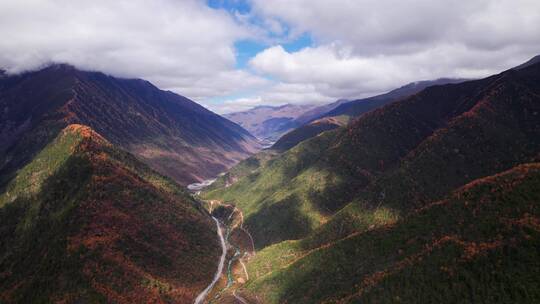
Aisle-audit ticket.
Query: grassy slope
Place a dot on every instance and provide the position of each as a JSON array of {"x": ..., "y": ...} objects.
[
  {"x": 242, "y": 169},
  {"x": 501, "y": 131},
  {"x": 87, "y": 222},
  {"x": 480, "y": 245},
  {"x": 496, "y": 134},
  {"x": 286, "y": 197},
  {"x": 385, "y": 158},
  {"x": 396, "y": 159}
]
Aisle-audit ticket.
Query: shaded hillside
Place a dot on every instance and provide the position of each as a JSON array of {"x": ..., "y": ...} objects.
[
  {"x": 341, "y": 112},
  {"x": 446, "y": 136},
  {"x": 272, "y": 123},
  {"x": 267, "y": 122},
  {"x": 173, "y": 134},
  {"x": 360, "y": 106},
  {"x": 479, "y": 245},
  {"x": 84, "y": 222},
  {"x": 402, "y": 156}
]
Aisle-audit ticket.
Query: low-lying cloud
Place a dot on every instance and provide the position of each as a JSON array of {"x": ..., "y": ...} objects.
[
  {"x": 180, "y": 45},
  {"x": 360, "y": 47}
]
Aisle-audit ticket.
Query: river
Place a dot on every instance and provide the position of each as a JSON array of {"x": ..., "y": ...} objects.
[{"x": 200, "y": 298}]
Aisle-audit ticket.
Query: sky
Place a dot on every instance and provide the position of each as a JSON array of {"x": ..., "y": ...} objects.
[{"x": 231, "y": 55}]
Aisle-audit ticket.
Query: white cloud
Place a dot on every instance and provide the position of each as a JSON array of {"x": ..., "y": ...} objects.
[
  {"x": 236, "y": 105},
  {"x": 180, "y": 45},
  {"x": 362, "y": 47},
  {"x": 219, "y": 83},
  {"x": 275, "y": 94},
  {"x": 375, "y": 27},
  {"x": 334, "y": 72},
  {"x": 371, "y": 46},
  {"x": 330, "y": 70}
]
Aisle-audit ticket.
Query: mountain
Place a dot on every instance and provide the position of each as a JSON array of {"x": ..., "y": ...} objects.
[
  {"x": 319, "y": 111},
  {"x": 267, "y": 122},
  {"x": 85, "y": 222},
  {"x": 329, "y": 117},
  {"x": 478, "y": 245},
  {"x": 288, "y": 132},
  {"x": 171, "y": 133},
  {"x": 358, "y": 107},
  {"x": 374, "y": 211}
]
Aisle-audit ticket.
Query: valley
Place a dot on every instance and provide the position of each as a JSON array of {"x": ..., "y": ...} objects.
[
  {"x": 201, "y": 297},
  {"x": 422, "y": 191},
  {"x": 363, "y": 212},
  {"x": 269, "y": 152},
  {"x": 238, "y": 249}
]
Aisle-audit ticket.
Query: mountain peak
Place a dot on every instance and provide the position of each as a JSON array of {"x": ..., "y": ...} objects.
[
  {"x": 84, "y": 132},
  {"x": 59, "y": 67},
  {"x": 162, "y": 128}
]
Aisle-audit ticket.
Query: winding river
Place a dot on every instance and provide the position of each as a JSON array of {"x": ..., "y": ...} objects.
[{"x": 200, "y": 298}]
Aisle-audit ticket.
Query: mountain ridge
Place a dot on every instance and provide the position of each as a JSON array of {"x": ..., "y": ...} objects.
[
  {"x": 359, "y": 106},
  {"x": 336, "y": 216},
  {"x": 341, "y": 112},
  {"x": 427, "y": 249},
  {"x": 84, "y": 221},
  {"x": 172, "y": 133}
]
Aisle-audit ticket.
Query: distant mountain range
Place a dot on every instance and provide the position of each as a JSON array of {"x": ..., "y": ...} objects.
[
  {"x": 430, "y": 198},
  {"x": 339, "y": 113},
  {"x": 269, "y": 122},
  {"x": 171, "y": 133},
  {"x": 360, "y": 106},
  {"x": 319, "y": 111}
]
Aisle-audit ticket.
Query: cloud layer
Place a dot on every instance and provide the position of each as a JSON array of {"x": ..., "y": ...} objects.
[
  {"x": 370, "y": 46},
  {"x": 359, "y": 48},
  {"x": 180, "y": 45},
  {"x": 375, "y": 27}
]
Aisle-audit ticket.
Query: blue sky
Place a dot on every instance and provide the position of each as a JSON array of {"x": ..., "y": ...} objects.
[
  {"x": 233, "y": 6},
  {"x": 246, "y": 49}
]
